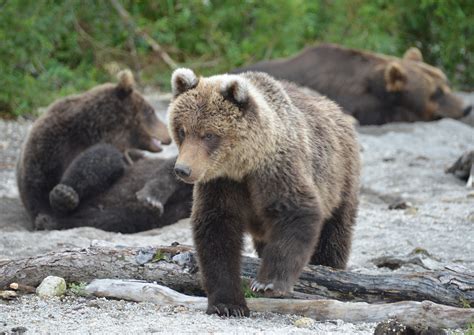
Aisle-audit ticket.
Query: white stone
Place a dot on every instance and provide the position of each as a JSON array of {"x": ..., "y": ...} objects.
[
  {"x": 303, "y": 323},
  {"x": 51, "y": 286}
]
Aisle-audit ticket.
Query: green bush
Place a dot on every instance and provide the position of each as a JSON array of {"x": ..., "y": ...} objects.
[{"x": 52, "y": 48}]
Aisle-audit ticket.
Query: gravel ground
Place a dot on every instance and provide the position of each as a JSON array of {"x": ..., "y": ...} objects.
[{"x": 400, "y": 161}]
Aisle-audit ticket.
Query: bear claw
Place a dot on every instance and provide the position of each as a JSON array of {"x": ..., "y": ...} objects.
[
  {"x": 150, "y": 202},
  {"x": 257, "y": 286},
  {"x": 228, "y": 310},
  {"x": 63, "y": 198}
]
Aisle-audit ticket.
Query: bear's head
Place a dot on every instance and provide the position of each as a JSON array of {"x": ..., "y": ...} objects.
[
  {"x": 210, "y": 120},
  {"x": 415, "y": 90},
  {"x": 116, "y": 114},
  {"x": 145, "y": 130}
]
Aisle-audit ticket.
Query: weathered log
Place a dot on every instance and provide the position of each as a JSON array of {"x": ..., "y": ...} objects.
[
  {"x": 176, "y": 267},
  {"x": 411, "y": 313}
]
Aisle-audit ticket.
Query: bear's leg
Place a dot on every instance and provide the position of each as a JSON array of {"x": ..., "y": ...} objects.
[
  {"x": 295, "y": 229},
  {"x": 91, "y": 172},
  {"x": 335, "y": 241},
  {"x": 259, "y": 246},
  {"x": 157, "y": 191},
  {"x": 218, "y": 228}
]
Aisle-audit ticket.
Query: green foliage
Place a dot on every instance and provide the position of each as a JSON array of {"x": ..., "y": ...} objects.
[
  {"x": 248, "y": 293},
  {"x": 78, "y": 289},
  {"x": 52, "y": 48}
]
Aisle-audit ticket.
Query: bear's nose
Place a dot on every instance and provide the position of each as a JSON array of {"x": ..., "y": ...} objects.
[
  {"x": 182, "y": 171},
  {"x": 467, "y": 110}
]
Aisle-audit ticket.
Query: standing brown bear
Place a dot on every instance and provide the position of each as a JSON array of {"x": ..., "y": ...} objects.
[
  {"x": 76, "y": 149},
  {"x": 269, "y": 159}
]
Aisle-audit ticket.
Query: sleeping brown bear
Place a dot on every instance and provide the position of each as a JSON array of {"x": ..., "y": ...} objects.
[
  {"x": 78, "y": 147},
  {"x": 267, "y": 158},
  {"x": 373, "y": 88},
  {"x": 147, "y": 196}
]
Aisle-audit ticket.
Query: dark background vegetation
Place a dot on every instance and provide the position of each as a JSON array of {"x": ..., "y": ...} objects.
[{"x": 53, "y": 48}]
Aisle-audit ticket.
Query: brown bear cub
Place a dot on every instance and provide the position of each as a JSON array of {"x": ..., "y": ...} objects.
[
  {"x": 269, "y": 159},
  {"x": 76, "y": 149},
  {"x": 147, "y": 196}
]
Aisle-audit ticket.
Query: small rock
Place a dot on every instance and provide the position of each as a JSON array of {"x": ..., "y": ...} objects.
[
  {"x": 400, "y": 205},
  {"x": 51, "y": 286},
  {"x": 8, "y": 295},
  {"x": 411, "y": 210},
  {"x": 303, "y": 323},
  {"x": 470, "y": 195},
  {"x": 19, "y": 330},
  {"x": 391, "y": 327},
  {"x": 470, "y": 217}
]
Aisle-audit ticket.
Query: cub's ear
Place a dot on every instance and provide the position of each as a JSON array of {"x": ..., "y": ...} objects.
[
  {"x": 413, "y": 54},
  {"x": 395, "y": 77},
  {"x": 126, "y": 83},
  {"x": 236, "y": 90},
  {"x": 183, "y": 80}
]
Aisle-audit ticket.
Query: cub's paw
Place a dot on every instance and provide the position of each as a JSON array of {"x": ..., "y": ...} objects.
[
  {"x": 270, "y": 288},
  {"x": 63, "y": 198},
  {"x": 228, "y": 310},
  {"x": 45, "y": 222},
  {"x": 150, "y": 202}
]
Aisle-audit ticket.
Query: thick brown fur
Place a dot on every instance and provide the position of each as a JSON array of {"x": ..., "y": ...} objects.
[
  {"x": 75, "y": 149},
  {"x": 147, "y": 196},
  {"x": 373, "y": 88},
  {"x": 267, "y": 158}
]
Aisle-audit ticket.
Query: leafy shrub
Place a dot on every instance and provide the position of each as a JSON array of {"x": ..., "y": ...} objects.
[{"x": 52, "y": 48}]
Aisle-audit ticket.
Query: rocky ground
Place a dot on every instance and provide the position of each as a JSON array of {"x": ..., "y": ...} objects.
[{"x": 401, "y": 163}]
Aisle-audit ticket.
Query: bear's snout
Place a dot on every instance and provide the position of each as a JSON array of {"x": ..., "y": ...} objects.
[
  {"x": 467, "y": 110},
  {"x": 182, "y": 171}
]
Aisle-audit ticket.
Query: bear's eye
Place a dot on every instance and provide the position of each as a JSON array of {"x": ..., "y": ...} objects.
[
  {"x": 181, "y": 133},
  {"x": 209, "y": 136},
  {"x": 437, "y": 94}
]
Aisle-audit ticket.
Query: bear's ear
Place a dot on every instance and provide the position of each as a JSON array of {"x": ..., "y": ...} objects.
[
  {"x": 236, "y": 90},
  {"x": 413, "y": 54},
  {"x": 183, "y": 80},
  {"x": 126, "y": 83},
  {"x": 395, "y": 77}
]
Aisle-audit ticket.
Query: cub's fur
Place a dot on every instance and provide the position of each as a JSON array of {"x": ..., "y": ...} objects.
[
  {"x": 267, "y": 158},
  {"x": 76, "y": 149}
]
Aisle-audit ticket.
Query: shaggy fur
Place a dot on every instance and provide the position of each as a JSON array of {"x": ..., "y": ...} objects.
[
  {"x": 147, "y": 196},
  {"x": 269, "y": 159},
  {"x": 76, "y": 148},
  {"x": 373, "y": 88}
]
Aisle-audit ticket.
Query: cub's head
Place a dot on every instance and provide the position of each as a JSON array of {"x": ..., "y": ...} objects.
[
  {"x": 139, "y": 125},
  {"x": 209, "y": 121},
  {"x": 418, "y": 91}
]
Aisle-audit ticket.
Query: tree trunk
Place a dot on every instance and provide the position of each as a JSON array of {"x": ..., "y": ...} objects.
[{"x": 176, "y": 267}]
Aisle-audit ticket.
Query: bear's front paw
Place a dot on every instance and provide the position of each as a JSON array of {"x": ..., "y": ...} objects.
[
  {"x": 63, "y": 198},
  {"x": 228, "y": 310},
  {"x": 270, "y": 288},
  {"x": 150, "y": 202}
]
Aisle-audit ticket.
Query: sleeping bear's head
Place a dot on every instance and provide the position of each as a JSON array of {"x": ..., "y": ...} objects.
[
  {"x": 414, "y": 90},
  {"x": 210, "y": 119}
]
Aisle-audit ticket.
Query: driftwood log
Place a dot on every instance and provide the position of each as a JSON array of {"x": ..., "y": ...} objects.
[
  {"x": 410, "y": 313},
  {"x": 176, "y": 267}
]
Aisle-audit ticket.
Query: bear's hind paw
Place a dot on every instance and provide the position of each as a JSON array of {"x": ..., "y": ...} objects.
[{"x": 63, "y": 198}]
